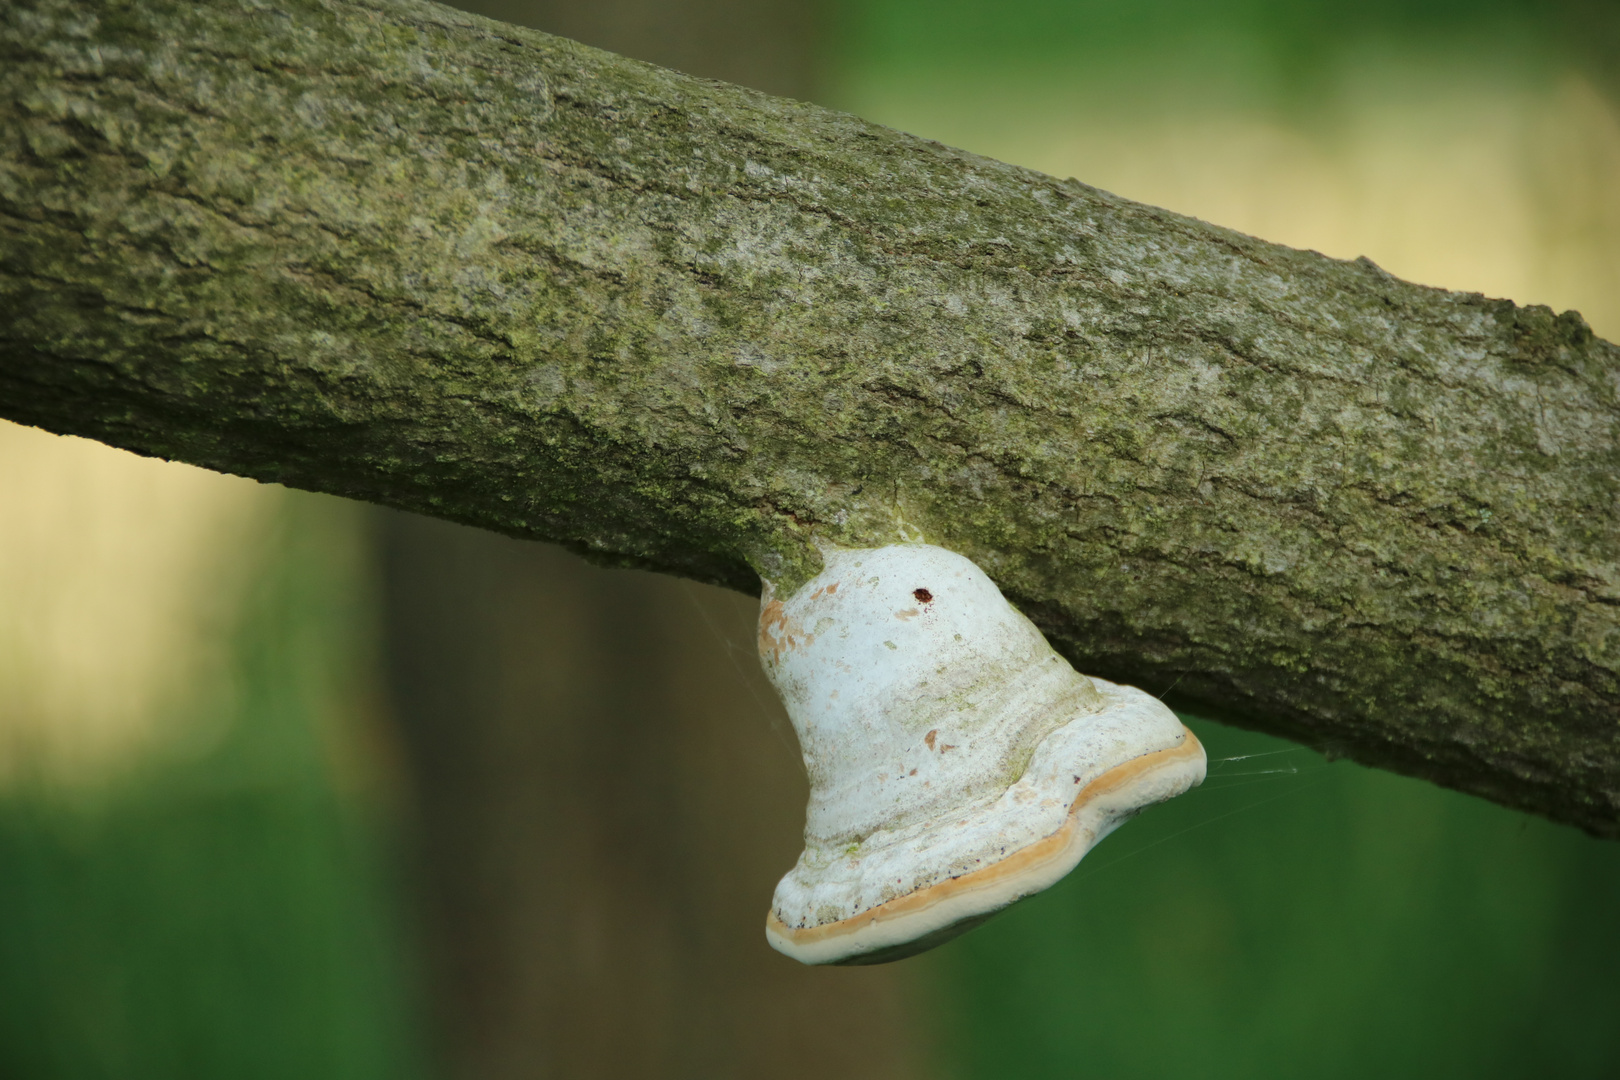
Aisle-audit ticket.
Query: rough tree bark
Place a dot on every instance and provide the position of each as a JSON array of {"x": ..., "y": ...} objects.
[{"x": 403, "y": 254}]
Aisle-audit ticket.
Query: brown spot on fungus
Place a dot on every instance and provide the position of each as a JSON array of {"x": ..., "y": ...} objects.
[
  {"x": 778, "y": 631},
  {"x": 923, "y": 595},
  {"x": 929, "y": 738}
]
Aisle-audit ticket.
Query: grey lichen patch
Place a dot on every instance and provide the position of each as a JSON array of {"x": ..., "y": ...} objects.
[{"x": 404, "y": 254}]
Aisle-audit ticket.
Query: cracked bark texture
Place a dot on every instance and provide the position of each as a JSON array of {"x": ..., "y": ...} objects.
[{"x": 405, "y": 254}]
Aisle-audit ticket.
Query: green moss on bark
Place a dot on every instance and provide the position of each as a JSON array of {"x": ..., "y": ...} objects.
[{"x": 407, "y": 255}]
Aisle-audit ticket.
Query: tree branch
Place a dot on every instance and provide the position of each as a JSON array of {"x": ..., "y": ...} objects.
[{"x": 398, "y": 253}]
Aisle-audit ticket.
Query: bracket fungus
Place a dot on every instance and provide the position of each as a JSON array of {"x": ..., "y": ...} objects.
[{"x": 957, "y": 763}]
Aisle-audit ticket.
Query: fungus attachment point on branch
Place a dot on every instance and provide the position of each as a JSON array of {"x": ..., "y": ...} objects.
[{"x": 957, "y": 763}]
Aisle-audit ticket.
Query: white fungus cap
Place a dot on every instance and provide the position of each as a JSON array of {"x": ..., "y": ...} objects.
[{"x": 957, "y": 763}]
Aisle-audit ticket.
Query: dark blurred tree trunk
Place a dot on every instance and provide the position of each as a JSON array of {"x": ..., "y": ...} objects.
[
  {"x": 606, "y": 793},
  {"x": 606, "y": 788},
  {"x": 767, "y": 45}
]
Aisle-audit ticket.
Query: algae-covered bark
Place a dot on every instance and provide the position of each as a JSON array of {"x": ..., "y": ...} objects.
[{"x": 408, "y": 255}]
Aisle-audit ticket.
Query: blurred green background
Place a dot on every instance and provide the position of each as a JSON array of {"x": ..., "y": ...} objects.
[{"x": 289, "y": 787}]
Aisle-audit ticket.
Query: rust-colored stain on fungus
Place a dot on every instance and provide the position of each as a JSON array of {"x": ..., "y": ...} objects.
[{"x": 778, "y": 632}]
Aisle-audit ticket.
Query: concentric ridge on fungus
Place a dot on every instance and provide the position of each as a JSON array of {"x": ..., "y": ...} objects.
[{"x": 957, "y": 763}]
